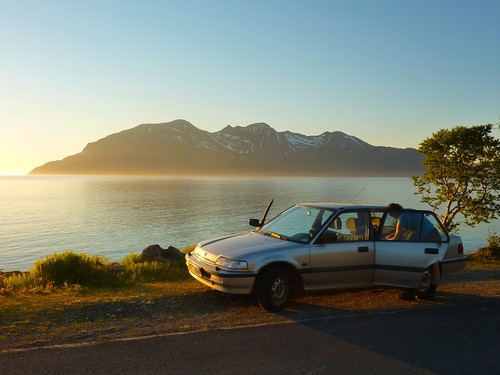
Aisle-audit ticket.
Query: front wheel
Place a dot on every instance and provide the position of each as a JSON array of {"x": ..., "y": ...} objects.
[{"x": 274, "y": 289}]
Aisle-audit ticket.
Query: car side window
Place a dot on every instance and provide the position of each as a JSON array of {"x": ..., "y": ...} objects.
[
  {"x": 348, "y": 226},
  {"x": 376, "y": 221},
  {"x": 432, "y": 229},
  {"x": 412, "y": 226},
  {"x": 388, "y": 227}
]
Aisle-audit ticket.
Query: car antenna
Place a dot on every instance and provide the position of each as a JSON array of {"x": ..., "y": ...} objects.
[
  {"x": 266, "y": 211},
  {"x": 355, "y": 195}
]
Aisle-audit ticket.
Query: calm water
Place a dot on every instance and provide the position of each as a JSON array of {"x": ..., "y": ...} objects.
[{"x": 115, "y": 216}]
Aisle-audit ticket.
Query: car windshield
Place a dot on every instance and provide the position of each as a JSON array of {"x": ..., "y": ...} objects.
[{"x": 298, "y": 223}]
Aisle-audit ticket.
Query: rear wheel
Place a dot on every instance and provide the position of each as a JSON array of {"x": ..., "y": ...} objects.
[
  {"x": 425, "y": 282},
  {"x": 274, "y": 289}
]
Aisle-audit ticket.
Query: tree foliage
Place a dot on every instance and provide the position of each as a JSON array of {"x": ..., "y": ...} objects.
[{"x": 462, "y": 174}]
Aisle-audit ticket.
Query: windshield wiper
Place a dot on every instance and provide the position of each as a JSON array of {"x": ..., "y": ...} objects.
[{"x": 275, "y": 235}]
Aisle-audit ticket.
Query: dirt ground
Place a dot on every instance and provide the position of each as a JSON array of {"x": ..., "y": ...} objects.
[{"x": 154, "y": 310}]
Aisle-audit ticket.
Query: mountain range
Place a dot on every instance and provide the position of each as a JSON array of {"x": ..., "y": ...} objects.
[{"x": 180, "y": 148}]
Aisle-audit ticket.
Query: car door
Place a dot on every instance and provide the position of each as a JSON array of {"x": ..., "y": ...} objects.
[
  {"x": 404, "y": 260},
  {"x": 343, "y": 254}
]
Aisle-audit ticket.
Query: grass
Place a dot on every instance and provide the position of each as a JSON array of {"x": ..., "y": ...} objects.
[{"x": 70, "y": 270}]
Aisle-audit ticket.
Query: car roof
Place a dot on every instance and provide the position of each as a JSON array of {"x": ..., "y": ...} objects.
[{"x": 342, "y": 206}]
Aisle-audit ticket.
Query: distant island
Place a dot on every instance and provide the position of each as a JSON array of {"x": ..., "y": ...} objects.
[{"x": 180, "y": 148}]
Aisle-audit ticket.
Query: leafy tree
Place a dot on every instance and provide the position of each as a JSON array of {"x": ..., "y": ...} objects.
[{"x": 462, "y": 174}]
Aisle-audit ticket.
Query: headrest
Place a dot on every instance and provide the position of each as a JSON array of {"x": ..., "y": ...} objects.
[{"x": 351, "y": 224}]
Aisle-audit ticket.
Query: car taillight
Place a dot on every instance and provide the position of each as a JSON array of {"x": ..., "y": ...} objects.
[{"x": 460, "y": 248}]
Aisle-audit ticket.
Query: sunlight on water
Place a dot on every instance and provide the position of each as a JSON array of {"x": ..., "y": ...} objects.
[{"x": 115, "y": 216}]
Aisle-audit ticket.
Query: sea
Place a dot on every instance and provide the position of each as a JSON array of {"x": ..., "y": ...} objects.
[{"x": 116, "y": 216}]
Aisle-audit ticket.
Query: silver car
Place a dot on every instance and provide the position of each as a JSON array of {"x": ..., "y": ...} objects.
[{"x": 315, "y": 246}]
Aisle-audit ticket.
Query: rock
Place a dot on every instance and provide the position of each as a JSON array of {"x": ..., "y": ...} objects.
[{"x": 155, "y": 253}]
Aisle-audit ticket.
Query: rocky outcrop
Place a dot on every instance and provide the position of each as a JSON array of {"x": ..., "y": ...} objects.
[{"x": 155, "y": 253}]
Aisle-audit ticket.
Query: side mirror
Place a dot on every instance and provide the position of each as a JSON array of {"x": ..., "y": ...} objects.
[{"x": 254, "y": 223}]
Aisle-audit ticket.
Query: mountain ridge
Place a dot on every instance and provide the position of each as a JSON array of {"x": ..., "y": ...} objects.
[{"x": 180, "y": 148}]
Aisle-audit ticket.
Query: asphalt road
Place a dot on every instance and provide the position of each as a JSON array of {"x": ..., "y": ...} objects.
[{"x": 443, "y": 340}]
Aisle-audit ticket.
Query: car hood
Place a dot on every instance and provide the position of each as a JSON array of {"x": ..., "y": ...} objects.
[{"x": 239, "y": 245}]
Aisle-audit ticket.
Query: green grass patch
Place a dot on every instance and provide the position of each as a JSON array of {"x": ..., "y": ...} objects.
[
  {"x": 135, "y": 271},
  {"x": 70, "y": 270}
]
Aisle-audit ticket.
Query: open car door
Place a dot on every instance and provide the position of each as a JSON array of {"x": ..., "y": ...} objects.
[{"x": 403, "y": 260}]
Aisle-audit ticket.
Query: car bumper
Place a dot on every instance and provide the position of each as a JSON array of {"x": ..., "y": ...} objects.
[
  {"x": 231, "y": 282},
  {"x": 450, "y": 266}
]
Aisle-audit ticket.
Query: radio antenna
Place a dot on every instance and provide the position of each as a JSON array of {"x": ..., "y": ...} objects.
[{"x": 355, "y": 195}]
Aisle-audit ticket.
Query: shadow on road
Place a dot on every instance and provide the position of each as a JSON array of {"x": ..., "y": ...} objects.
[{"x": 456, "y": 334}]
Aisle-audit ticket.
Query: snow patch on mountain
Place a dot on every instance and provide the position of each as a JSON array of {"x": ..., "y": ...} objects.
[
  {"x": 180, "y": 139},
  {"x": 300, "y": 141},
  {"x": 233, "y": 142}
]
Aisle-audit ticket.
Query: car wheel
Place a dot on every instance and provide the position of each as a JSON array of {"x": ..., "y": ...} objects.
[
  {"x": 274, "y": 289},
  {"x": 425, "y": 282}
]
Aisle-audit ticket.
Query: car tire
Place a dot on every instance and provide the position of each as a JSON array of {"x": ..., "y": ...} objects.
[
  {"x": 425, "y": 282},
  {"x": 274, "y": 289}
]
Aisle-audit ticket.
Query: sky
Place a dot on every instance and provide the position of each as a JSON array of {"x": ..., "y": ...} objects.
[{"x": 391, "y": 72}]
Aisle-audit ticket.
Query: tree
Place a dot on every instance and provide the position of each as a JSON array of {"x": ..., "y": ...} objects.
[{"x": 462, "y": 174}]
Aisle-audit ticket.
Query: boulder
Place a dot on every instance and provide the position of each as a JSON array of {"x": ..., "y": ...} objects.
[{"x": 155, "y": 253}]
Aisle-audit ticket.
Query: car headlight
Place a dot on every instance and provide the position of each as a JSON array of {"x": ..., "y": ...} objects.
[{"x": 232, "y": 263}]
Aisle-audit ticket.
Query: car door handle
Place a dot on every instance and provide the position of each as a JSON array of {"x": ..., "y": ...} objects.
[
  {"x": 363, "y": 249},
  {"x": 431, "y": 250}
]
